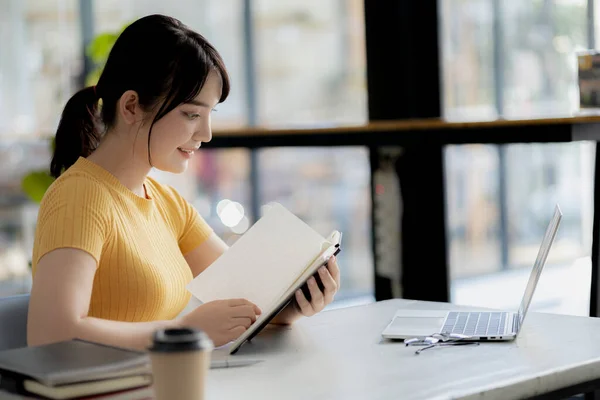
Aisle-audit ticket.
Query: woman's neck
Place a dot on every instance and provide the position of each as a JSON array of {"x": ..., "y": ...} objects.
[{"x": 117, "y": 156}]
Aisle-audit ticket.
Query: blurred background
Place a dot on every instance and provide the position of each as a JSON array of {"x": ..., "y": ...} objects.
[{"x": 301, "y": 63}]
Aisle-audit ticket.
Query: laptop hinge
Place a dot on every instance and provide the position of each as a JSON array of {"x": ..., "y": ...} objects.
[{"x": 515, "y": 323}]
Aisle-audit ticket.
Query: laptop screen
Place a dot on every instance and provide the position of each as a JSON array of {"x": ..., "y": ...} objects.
[{"x": 539, "y": 264}]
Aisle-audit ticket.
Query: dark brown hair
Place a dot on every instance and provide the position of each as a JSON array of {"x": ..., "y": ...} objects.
[{"x": 158, "y": 57}]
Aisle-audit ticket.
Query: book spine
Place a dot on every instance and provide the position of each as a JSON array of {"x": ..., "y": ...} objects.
[{"x": 11, "y": 384}]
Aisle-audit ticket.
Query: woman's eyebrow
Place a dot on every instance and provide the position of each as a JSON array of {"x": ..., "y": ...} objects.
[{"x": 198, "y": 103}]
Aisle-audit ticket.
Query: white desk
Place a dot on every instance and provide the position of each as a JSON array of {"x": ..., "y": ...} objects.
[{"x": 340, "y": 355}]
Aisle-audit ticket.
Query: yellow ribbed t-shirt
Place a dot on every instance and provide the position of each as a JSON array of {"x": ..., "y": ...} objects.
[{"x": 138, "y": 243}]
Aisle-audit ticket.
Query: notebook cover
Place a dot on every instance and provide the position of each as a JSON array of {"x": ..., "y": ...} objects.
[{"x": 72, "y": 361}]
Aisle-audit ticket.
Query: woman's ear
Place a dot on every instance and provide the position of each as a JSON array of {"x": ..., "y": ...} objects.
[{"x": 129, "y": 107}]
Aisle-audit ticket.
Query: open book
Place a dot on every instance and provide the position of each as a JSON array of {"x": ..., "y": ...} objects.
[{"x": 266, "y": 266}]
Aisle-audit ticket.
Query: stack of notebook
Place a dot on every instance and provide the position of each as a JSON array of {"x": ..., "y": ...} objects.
[{"x": 75, "y": 369}]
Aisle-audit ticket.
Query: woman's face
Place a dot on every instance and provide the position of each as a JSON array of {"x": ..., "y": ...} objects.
[{"x": 177, "y": 135}]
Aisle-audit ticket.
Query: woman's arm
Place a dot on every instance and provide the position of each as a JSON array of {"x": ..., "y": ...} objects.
[
  {"x": 60, "y": 300},
  {"x": 205, "y": 254}
]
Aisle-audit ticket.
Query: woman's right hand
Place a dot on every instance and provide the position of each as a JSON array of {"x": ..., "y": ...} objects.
[{"x": 222, "y": 320}]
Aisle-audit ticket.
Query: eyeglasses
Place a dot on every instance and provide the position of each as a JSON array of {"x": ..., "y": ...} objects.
[{"x": 440, "y": 340}]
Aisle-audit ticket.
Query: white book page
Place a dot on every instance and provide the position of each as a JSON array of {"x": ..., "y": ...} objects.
[{"x": 262, "y": 264}]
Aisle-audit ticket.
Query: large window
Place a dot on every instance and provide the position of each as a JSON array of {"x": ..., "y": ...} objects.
[
  {"x": 40, "y": 60},
  {"x": 511, "y": 58},
  {"x": 310, "y": 62},
  {"x": 516, "y": 59}
]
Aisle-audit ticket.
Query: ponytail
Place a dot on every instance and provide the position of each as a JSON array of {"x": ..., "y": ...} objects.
[{"x": 77, "y": 135}]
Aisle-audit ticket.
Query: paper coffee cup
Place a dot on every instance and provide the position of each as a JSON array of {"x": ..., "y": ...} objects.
[{"x": 180, "y": 362}]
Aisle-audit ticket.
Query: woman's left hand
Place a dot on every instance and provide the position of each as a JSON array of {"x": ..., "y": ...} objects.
[{"x": 330, "y": 276}]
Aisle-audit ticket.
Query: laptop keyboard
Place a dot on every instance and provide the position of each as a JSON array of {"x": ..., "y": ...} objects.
[{"x": 475, "y": 323}]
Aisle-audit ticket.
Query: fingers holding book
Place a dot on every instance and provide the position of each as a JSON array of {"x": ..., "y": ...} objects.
[
  {"x": 222, "y": 320},
  {"x": 334, "y": 271},
  {"x": 322, "y": 293},
  {"x": 329, "y": 283}
]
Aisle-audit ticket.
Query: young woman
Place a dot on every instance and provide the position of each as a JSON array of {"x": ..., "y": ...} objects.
[{"x": 114, "y": 248}]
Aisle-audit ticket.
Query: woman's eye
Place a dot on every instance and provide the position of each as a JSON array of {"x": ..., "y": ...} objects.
[{"x": 192, "y": 115}]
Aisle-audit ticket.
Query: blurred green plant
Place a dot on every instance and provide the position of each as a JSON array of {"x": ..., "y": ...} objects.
[
  {"x": 35, "y": 183},
  {"x": 98, "y": 51}
]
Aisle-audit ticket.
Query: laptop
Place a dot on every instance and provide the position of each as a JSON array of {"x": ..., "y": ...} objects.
[{"x": 477, "y": 325}]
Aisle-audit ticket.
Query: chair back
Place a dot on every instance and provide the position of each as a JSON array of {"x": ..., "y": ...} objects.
[{"x": 13, "y": 321}]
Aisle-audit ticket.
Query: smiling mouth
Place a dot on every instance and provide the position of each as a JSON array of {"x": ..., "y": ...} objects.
[{"x": 187, "y": 151}]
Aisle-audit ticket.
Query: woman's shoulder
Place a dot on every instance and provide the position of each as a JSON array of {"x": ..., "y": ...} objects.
[{"x": 75, "y": 186}]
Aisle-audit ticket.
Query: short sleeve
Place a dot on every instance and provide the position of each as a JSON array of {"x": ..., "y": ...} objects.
[
  {"x": 195, "y": 230},
  {"x": 75, "y": 213}
]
